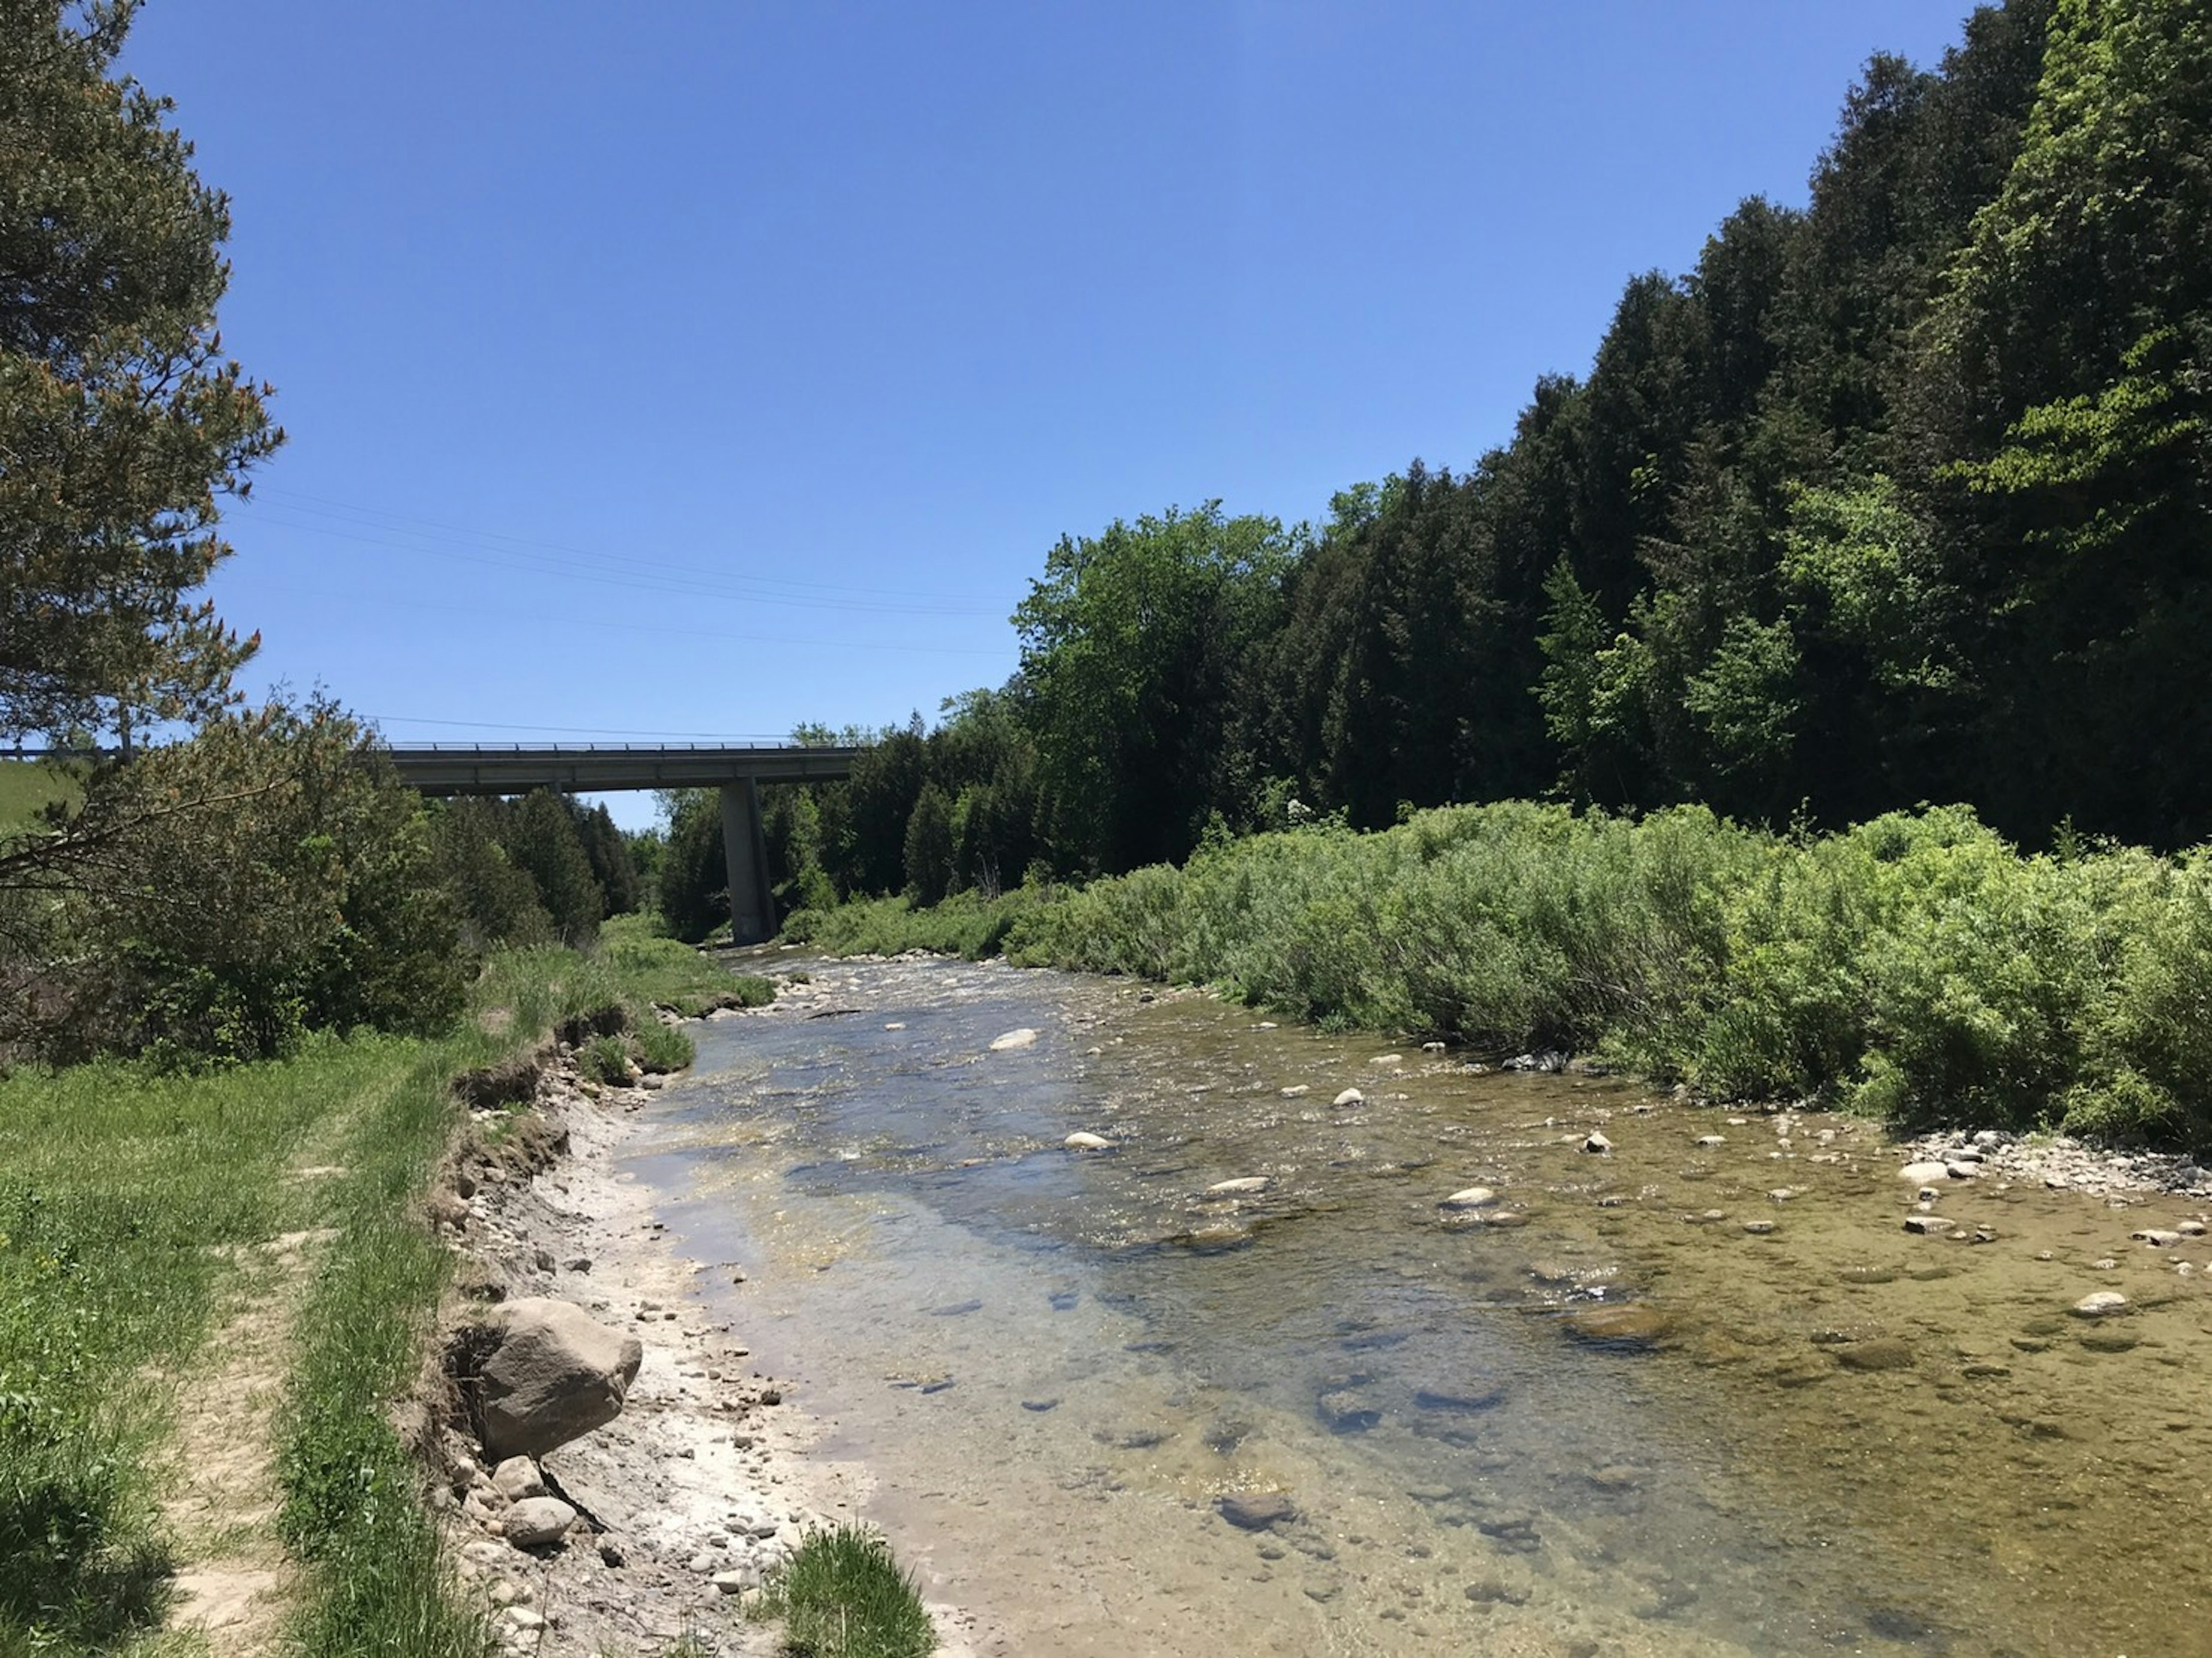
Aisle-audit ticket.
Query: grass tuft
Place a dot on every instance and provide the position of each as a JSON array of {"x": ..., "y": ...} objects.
[{"x": 842, "y": 1595}]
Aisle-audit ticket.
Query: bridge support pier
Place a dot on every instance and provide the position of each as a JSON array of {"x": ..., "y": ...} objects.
[{"x": 752, "y": 906}]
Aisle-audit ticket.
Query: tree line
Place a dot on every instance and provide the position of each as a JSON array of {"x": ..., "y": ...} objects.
[{"x": 1899, "y": 496}]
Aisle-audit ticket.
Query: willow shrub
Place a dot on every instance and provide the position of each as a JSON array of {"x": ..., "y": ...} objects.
[{"x": 1916, "y": 966}]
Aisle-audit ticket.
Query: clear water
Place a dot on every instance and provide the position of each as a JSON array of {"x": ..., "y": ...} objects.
[{"x": 1830, "y": 1437}]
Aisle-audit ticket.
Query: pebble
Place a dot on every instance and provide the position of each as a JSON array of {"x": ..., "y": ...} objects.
[
  {"x": 538, "y": 1521},
  {"x": 517, "y": 1478}
]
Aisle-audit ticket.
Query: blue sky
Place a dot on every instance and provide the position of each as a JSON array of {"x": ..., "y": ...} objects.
[{"x": 706, "y": 368}]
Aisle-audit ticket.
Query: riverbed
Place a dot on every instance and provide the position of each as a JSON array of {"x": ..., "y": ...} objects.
[{"x": 1697, "y": 1391}]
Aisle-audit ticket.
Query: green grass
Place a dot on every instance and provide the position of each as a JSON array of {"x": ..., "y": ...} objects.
[
  {"x": 842, "y": 1595},
  {"x": 121, "y": 1188},
  {"x": 965, "y": 924},
  {"x": 125, "y": 1193},
  {"x": 607, "y": 1059},
  {"x": 27, "y": 786}
]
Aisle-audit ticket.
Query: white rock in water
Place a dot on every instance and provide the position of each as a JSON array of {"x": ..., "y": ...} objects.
[
  {"x": 2102, "y": 1303},
  {"x": 2157, "y": 1237},
  {"x": 1597, "y": 1143},
  {"x": 1388, "y": 1058},
  {"x": 537, "y": 1521},
  {"x": 895, "y": 1024},
  {"x": 1022, "y": 1038},
  {"x": 1295, "y": 1089},
  {"x": 1432, "y": 1047},
  {"x": 1920, "y": 1173},
  {"x": 1929, "y": 1225},
  {"x": 1087, "y": 1142},
  {"x": 1472, "y": 1197},
  {"x": 1239, "y": 1187},
  {"x": 1350, "y": 1096}
]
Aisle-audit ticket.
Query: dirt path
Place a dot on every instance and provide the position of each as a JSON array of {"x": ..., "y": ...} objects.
[{"x": 233, "y": 1580}]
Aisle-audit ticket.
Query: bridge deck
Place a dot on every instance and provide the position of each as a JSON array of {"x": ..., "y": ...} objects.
[{"x": 481, "y": 768}]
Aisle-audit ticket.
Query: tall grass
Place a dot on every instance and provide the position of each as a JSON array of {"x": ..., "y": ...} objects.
[
  {"x": 125, "y": 1194},
  {"x": 1916, "y": 966},
  {"x": 842, "y": 1595}
]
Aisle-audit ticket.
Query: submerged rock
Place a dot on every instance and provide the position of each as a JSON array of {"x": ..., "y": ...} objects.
[
  {"x": 1880, "y": 1353},
  {"x": 1346, "y": 1410},
  {"x": 1083, "y": 1140},
  {"x": 1919, "y": 1174},
  {"x": 1350, "y": 1096},
  {"x": 1460, "y": 1396},
  {"x": 1256, "y": 1510},
  {"x": 2103, "y": 1303},
  {"x": 1628, "y": 1325},
  {"x": 1024, "y": 1037}
]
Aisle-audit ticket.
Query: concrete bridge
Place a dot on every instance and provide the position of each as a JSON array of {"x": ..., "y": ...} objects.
[{"x": 448, "y": 768}]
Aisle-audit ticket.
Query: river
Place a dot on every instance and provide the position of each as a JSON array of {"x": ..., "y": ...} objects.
[{"x": 1700, "y": 1393}]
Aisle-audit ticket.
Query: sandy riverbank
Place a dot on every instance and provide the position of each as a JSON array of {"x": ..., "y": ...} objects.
[{"x": 704, "y": 1482}]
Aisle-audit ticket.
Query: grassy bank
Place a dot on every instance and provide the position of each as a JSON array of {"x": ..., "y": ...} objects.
[
  {"x": 129, "y": 1200},
  {"x": 1916, "y": 966}
]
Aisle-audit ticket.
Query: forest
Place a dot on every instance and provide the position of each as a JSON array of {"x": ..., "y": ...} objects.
[{"x": 1898, "y": 497}]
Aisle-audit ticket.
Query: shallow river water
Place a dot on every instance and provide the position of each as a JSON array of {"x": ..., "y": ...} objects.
[{"x": 1700, "y": 1394}]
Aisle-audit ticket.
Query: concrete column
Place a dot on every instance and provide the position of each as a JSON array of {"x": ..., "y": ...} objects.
[{"x": 752, "y": 909}]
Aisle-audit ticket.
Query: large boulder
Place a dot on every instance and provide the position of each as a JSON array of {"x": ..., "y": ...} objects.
[{"x": 553, "y": 1374}]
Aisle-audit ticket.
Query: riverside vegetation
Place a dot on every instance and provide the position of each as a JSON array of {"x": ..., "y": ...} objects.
[{"x": 1916, "y": 968}]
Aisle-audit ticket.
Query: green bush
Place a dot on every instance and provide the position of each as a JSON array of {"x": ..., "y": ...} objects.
[{"x": 1916, "y": 968}]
